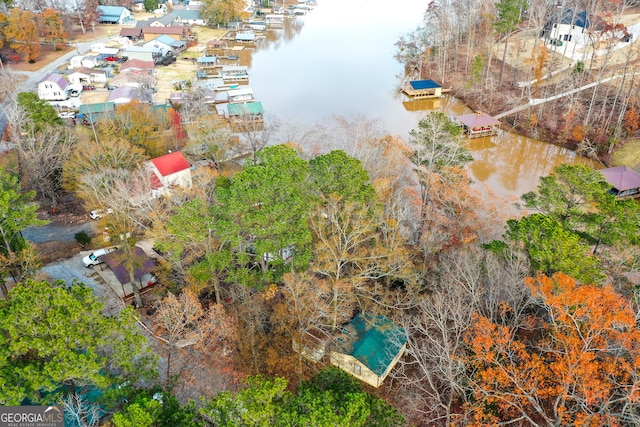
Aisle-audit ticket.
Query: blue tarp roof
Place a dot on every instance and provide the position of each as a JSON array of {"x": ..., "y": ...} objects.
[{"x": 424, "y": 84}]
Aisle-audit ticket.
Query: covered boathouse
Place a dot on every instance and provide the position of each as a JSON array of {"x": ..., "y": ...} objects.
[
  {"x": 423, "y": 89},
  {"x": 477, "y": 125},
  {"x": 624, "y": 181}
]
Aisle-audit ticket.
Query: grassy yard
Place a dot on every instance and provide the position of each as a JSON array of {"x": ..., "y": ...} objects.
[{"x": 628, "y": 155}]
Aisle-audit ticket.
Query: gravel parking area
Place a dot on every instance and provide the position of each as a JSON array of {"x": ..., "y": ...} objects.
[{"x": 72, "y": 269}]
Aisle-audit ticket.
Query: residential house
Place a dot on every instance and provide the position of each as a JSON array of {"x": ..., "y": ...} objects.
[
  {"x": 137, "y": 65},
  {"x": 125, "y": 94},
  {"x": 143, "y": 53},
  {"x": 572, "y": 26},
  {"x": 162, "y": 21},
  {"x": 88, "y": 61},
  {"x": 249, "y": 111},
  {"x": 178, "y": 32},
  {"x": 141, "y": 80},
  {"x": 624, "y": 181},
  {"x": 53, "y": 88},
  {"x": 91, "y": 113},
  {"x": 134, "y": 34},
  {"x": 113, "y": 15},
  {"x": 169, "y": 171},
  {"x": 189, "y": 16},
  {"x": 167, "y": 45},
  {"x": 84, "y": 75},
  {"x": 369, "y": 348},
  {"x": 118, "y": 264}
]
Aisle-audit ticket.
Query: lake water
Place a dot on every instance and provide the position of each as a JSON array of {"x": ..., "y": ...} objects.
[{"x": 338, "y": 60}]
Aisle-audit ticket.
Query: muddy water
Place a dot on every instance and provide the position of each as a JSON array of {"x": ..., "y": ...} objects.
[{"x": 338, "y": 60}]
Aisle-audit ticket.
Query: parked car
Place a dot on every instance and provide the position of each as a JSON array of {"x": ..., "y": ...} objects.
[
  {"x": 94, "y": 257},
  {"x": 67, "y": 114},
  {"x": 100, "y": 213},
  {"x": 88, "y": 87},
  {"x": 111, "y": 58}
]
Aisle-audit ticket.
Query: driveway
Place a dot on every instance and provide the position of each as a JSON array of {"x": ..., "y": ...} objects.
[
  {"x": 72, "y": 269},
  {"x": 58, "y": 231}
]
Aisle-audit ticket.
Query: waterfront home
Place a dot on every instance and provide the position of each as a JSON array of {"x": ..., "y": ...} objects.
[
  {"x": 477, "y": 125},
  {"x": 624, "y": 181},
  {"x": 240, "y": 95},
  {"x": 166, "y": 44},
  {"x": 369, "y": 348},
  {"x": 423, "y": 89}
]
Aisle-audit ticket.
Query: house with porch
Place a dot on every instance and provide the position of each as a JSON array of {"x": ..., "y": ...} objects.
[
  {"x": 134, "y": 34},
  {"x": 478, "y": 125},
  {"x": 113, "y": 15},
  {"x": 178, "y": 32},
  {"x": 624, "y": 181},
  {"x": 369, "y": 348},
  {"x": 189, "y": 16}
]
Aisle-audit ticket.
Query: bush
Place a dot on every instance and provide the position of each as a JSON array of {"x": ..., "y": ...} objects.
[{"x": 82, "y": 237}]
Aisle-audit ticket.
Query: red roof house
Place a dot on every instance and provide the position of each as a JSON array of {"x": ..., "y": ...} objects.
[{"x": 170, "y": 170}]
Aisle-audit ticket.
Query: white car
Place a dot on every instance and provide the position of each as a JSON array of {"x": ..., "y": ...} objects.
[
  {"x": 94, "y": 257},
  {"x": 100, "y": 213},
  {"x": 67, "y": 114}
]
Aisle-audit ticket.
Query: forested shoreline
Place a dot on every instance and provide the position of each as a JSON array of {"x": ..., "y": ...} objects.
[{"x": 263, "y": 267}]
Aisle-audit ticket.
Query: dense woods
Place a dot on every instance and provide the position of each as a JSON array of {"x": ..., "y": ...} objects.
[{"x": 527, "y": 321}]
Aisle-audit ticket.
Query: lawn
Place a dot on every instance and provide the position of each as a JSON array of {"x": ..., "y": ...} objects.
[{"x": 627, "y": 155}]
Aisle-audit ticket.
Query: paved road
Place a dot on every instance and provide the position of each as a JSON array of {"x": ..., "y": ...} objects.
[
  {"x": 56, "y": 231},
  {"x": 34, "y": 77}
]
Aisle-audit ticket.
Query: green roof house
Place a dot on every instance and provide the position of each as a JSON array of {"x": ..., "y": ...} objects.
[{"x": 369, "y": 348}]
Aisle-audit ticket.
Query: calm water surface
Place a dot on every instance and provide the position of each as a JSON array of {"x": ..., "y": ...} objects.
[{"x": 338, "y": 60}]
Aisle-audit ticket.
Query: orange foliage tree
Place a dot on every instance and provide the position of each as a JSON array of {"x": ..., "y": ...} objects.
[
  {"x": 22, "y": 33},
  {"x": 574, "y": 363}
]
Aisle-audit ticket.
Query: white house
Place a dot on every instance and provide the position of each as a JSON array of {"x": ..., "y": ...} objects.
[
  {"x": 166, "y": 44},
  {"x": 189, "y": 16},
  {"x": 113, "y": 15},
  {"x": 143, "y": 53},
  {"x": 84, "y": 75},
  {"x": 169, "y": 171},
  {"x": 53, "y": 88},
  {"x": 571, "y": 26},
  {"x": 89, "y": 61}
]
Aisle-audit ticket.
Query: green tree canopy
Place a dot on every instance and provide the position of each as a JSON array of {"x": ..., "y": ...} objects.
[
  {"x": 331, "y": 399},
  {"x": 155, "y": 408},
  {"x": 40, "y": 112},
  {"x": 55, "y": 338},
  {"x": 340, "y": 175},
  {"x": 551, "y": 248},
  {"x": 262, "y": 215}
]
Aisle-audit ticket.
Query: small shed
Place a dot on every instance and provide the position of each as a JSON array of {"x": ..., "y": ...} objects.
[
  {"x": 422, "y": 89},
  {"x": 477, "y": 125},
  {"x": 369, "y": 348},
  {"x": 624, "y": 181}
]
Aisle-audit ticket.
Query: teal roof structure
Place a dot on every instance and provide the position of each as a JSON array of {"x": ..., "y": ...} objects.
[
  {"x": 248, "y": 108},
  {"x": 100, "y": 107},
  {"x": 375, "y": 341}
]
